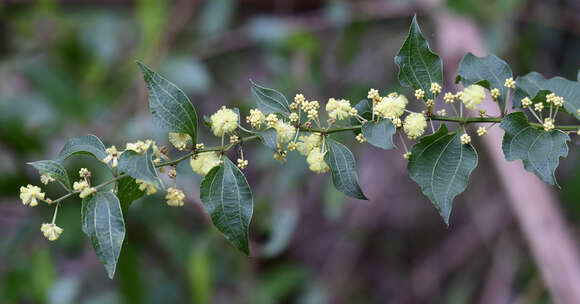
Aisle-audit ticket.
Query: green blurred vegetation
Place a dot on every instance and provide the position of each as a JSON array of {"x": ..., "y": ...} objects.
[{"x": 68, "y": 69}]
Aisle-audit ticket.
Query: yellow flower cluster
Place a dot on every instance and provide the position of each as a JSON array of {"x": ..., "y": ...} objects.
[
  {"x": 271, "y": 120},
  {"x": 539, "y": 106},
  {"x": 202, "y": 163},
  {"x": 146, "y": 187},
  {"x": 174, "y": 197},
  {"x": 472, "y": 96},
  {"x": 84, "y": 188},
  {"x": 415, "y": 124},
  {"x": 526, "y": 102},
  {"x": 481, "y": 131},
  {"x": 360, "y": 138},
  {"x": 510, "y": 83},
  {"x": 51, "y": 231},
  {"x": 340, "y": 109},
  {"x": 548, "y": 124},
  {"x": 465, "y": 139},
  {"x": 285, "y": 131},
  {"x": 419, "y": 94},
  {"x": 442, "y": 112},
  {"x": 311, "y": 108},
  {"x": 316, "y": 163},
  {"x": 495, "y": 93},
  {"x": 112, "y": 157},
  {"x": 30, "y": 195},
  {"x": 407, "y": 155},
  {"x": 392, "y": 106},
  {"x": 449, "y": 97},
  {"x": 179, "y": 140},
  {"x": 374, "y": 95},
  {"x": 435, "y": 88},
  {"x": 45, "y": 179},
  {"x": 256, "y": 118},
  {"x": 558, "y": 101},
  {"x": 242, "y": 163},
  {"x": 224, "y": 121},
  {"x": 308, "y": 143}
]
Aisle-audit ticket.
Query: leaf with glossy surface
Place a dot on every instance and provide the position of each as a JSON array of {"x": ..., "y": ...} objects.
[
  {"x": 440, "y": 164},
  {"x": 269, "y": 100},
  {"x": 53, "y": 169},
  {"x": 89, "y": 144},
  {"x": 540, "y": 151},
  {"x": 269, "y": 138},
  {"x": 102, "y": 222},
  {"x": 531, "y": 84},
  {"x": 343, "y": 169},
  {"x": 227, "y": 198},
  {"x": 379, "y": 133},
  {"x": 170, "y": 107},
  {"x": 127, "y": 192},
  {"x": 418, "y": 66},
  {"x": 140, "y": 166},
  {"x": 489, "y": 71}
]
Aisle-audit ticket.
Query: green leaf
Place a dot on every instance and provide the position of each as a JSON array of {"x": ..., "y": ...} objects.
[
  {"x": 102, "y": 222},
  {"x": 269, "y": 138},
  {"x": 531, "y": 84},
  {"x": 53, "y": 169},
  {"x": 127, "y": 192},
  {"x": 540, "y": 151},
  {"x": 440, "y": 164},
  {"x": 89, "y": 144},
  {"x": 269, "y": 100},
  {"x": 343, "y": 169},
  {"x": 418, "y": 66},
  {"x": 364, "y": 109},
  {"x": 379, "y": 133},
  {"x": 170, "y": 107},
  {"x": 140, "y": 166},
  {"x": 489, "y": 71},
  {"x": 227, "y": 198}
]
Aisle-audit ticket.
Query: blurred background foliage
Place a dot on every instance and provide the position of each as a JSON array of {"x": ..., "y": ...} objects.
[{"x": 67, "y": 68}]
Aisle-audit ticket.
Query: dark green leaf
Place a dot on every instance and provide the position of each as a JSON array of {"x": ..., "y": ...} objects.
[
  {"x": 128, "y": 191},
  {"x": 379, "y": 133},
  {"x": 343, "y": 169},
  {"x": 269, "y": 138},
  {"x": 418, "y": 66},
  {"x": 227, "y": 198},
  {"x": 140, "y": 166},
  {"x": 440, "y": 164},
  {"x": 53, "y": 169},
  {"x": 207, "y": 121},
  {"x": 89, "y": 144},
  {"x": 269, "y": 100},
  {"x": 489, "y": 71},
  {"x": 170, "y": 107},
  {"x": 365, "y": 110},
  {"x": 531, "y": 84},
  {"x": 102, "y": 222},
  {"x": 540, "y": 151}
]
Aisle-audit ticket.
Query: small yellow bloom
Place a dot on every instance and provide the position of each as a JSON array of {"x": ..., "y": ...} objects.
[
  {"x": 483, "y": 113},
  {"x": 256, "y": 118},
  {"x": 84, "y": 173},
  {"x": 397, "y": 122},
  {"x": 51, "y": 231},
  {"x": 391, "y": 107},
  {"x": 202, "y": 163},
  {"x": 419, "y": 94},
  {"x": 316, "y": 163},
  {"x": 360, "y": 138},
  {"x": 548, "y": 124},
  {"x": 30, "y": 195},
  {"x": 179, "y": 140},
  {"x": 174, "y": 197},
  {"x": 308, "y": 143},
  {"x": 299, "y": 99},
  {"x": 224, "y": 121},
  {"x": 148, "y": 188},
  {"x": 510, "y": 83},
  {"x": 234, "y": 139},
  {"x": 526, "y": 102},
  {"x": 465, "y": 138},
  {"x": 291, "y": 146},
  {"x": 285, "y": 132},
  {"x": 407, "y": 155},
  {"x": 280, "y": 156},
  {"x": 112, "y": 156},
  {"x": 45, "y": 179},
  {"x": 242, "y": 163},
  {"x": 472, "y": 96},
  {"x": 415, "y": 124},
  {"x": 338, "y": 109},
  {"x": 449, "y": 97},
  {"x": 442, "y": 112},
  {"x": 294, "y": 117},
  {"x": 435, "y": 88},
  {"x": 271, "y": 119},
  {"x": 538, "y": 106},
  {"x": 200, "y": 146},
  {"x": 374, "y": 95},
  {"x": 481, "y": 131},
  {"x": 430, "y": 103},
  {"x": 495, "y": 93}
]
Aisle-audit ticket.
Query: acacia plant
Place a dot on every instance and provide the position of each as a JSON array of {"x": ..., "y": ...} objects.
[{"x": 440, "y": 162}]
